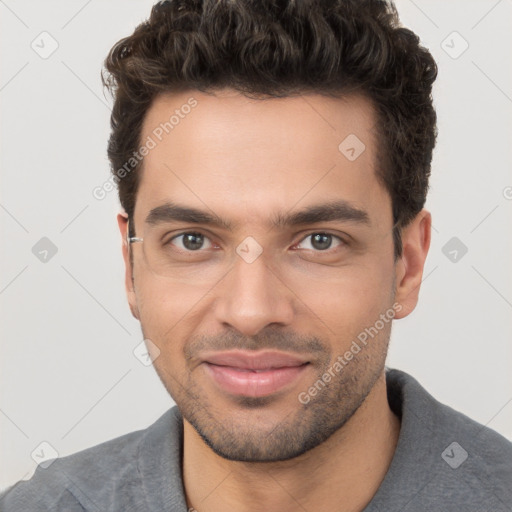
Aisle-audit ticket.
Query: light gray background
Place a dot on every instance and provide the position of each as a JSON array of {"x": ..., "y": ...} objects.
[{"x": 68, "y": 374}]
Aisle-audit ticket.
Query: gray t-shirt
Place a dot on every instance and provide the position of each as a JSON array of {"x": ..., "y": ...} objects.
[{"x": 444, "y": 461}]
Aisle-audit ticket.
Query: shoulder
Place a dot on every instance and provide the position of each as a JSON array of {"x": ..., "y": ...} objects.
[
  {"x": 459, "y": 460},
  {"x": 86, "y": 480},
  {"x": 439, "y": 418}
]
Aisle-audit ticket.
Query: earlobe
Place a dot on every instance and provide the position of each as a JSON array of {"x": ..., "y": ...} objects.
[
  {"x": 122, "y": 221},
  {"x": 409, "y": 268}
]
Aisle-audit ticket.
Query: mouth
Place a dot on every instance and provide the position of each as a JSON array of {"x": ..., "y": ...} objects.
[
  {"x": 262, "y": 360},
  {"x": 254, "y": 383}
]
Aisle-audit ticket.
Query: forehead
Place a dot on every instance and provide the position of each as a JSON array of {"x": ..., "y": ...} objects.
[
  {"x": 199, "y": 119},
  {"x": 228, "y": 150}
]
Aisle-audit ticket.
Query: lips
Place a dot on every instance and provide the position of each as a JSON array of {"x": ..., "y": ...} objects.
[
  {"x": 255, "y": 375},
  {"x": 258, "y": 361}
]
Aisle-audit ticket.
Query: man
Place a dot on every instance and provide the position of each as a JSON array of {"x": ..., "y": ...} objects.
[{"x": 273, "y": 160}]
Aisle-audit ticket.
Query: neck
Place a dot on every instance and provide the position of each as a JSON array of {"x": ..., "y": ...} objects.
[{"x": 342, "y": 474}]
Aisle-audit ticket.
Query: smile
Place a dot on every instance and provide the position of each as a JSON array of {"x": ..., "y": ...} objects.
[{"x": 253, "y": 382}]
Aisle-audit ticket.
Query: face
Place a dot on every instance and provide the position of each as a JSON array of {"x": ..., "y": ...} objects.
[{"x": 266, "y": 281}]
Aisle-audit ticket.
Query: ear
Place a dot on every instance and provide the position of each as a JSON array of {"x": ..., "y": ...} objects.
[
  {"x": 122, "y": 221},
  {"x": 409, "y": 268}
]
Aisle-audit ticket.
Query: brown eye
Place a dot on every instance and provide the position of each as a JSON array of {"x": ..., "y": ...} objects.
[
  {"x": 190, "y": 241},
  {"x": 319, "y": 241}
]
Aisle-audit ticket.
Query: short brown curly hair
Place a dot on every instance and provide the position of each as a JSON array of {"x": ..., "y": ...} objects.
[{"x": 282, "y": 48}]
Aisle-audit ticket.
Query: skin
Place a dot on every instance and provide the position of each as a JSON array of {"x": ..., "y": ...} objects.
[{"x": 245, "y": 160}]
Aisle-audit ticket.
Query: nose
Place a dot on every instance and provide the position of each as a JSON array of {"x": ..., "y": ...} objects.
[{"x": 252, "y": 297}]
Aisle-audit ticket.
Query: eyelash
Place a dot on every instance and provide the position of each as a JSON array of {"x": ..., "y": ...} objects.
[{"x": 327, "y": 251}]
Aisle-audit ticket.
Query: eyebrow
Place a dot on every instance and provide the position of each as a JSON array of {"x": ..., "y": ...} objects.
[
  {"x": 340, "y": 210},
  {"x": 170, "y": 212}
]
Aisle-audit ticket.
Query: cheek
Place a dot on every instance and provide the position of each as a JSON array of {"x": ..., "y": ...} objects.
[
  {"x": 351, "y": 299},
  {"x": 168, "y": 310}
]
